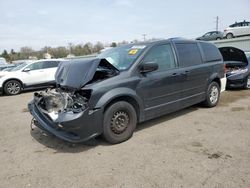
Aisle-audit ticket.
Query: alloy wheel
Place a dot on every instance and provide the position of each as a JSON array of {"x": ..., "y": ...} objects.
[
  {"x": 214, "y": 95},
  {"x": 13, "y": 88}
]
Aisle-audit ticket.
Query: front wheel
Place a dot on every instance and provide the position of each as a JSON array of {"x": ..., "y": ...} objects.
[
  {"x": 229, "y": 36},
  {"x": 247, "y": 83},
  {"x": 119, "y": 122},
  {"x": 12, "y": 87},
  {"x": 212, "y": 95}
]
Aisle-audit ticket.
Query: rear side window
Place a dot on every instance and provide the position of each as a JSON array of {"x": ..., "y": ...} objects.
[
  {"x": 211, "y": 53},
  {"x": 163, "y": 56},
  {"x": 50, "y": 64},
  {"x": 35, "y": 66},
  {"x": 188, "y": 54}
]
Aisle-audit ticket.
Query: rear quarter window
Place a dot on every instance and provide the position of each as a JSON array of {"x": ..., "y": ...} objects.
[
  {"x": 50, "y": 64},
  {"x": 210, "y": 52},
  {"x": 188, "y": 54}
]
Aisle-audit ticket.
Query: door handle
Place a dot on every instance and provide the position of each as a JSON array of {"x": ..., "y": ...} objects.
[
  {"x": 185, "y": 73},
  {"x": 174, "y": 74}
]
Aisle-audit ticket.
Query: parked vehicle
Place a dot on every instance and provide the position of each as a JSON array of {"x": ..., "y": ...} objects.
[
  {"x": 9, "y": 68},
  {"x": 30, "y": 75},
  {"x": 237, "y": 29},
  {"x": 2, "y": 61},
  {"x": 123, "y": 86},
  {"x": 4, "y": 66},
  {"x": 212, "y": 35},
  {"x": 237, "y": 67}
]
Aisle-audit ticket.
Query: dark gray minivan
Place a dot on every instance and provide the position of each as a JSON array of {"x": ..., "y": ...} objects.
[{"x": 108, "y": 95}]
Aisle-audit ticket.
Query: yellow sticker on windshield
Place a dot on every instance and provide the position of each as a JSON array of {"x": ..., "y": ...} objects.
[{"x": 133, "y": 51}]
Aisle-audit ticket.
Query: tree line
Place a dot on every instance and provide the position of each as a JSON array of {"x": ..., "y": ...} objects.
[{"x": 56, "y": 52}]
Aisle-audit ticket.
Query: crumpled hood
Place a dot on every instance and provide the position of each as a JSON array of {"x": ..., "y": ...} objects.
[{"x": 75, "y": 74}]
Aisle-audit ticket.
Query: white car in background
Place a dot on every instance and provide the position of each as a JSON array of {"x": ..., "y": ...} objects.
[
  {"x": 29, "y": 75},
  {"x": 237, "y": 29}
]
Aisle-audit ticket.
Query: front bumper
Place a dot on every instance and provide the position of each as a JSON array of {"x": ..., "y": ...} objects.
[
  {"x": 236, "y": 83},
  {"x": 236, "y": 80},
  {"x": 83, "y": 128}
]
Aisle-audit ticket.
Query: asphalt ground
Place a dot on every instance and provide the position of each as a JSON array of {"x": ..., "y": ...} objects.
[{"x": 194, "y": 147}]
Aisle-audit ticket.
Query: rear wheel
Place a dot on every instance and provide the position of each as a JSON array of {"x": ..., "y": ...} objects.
[
  {"x": 119, "y": 122},
  {"x": 212, "y": 95},
  {"x": 12, "y": 87},
  {"x": 247, "y": 83},
  {"x": 229, "y": 36},
  {"x": 218, "y": 38}
]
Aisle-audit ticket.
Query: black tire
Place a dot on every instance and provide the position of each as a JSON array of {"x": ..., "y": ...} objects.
[
  {"x": 247, "y": 83},
  {"x": 218, "y": 38},
  {"x": 12, "y": 87},
  {"x": 212, "y": 95},
  {"x": 229, "y": 36},
  {"x": 119, "y": 122}
]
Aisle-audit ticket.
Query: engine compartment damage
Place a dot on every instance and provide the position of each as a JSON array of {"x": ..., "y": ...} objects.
[
  {"x": 69, "y": 97},
  {"x": 234, "y": 67},
  {"x": 235, "y": 60},
  {"x": 57, "y": 101}
]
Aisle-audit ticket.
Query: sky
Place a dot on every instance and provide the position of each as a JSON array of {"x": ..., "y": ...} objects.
[{"x": 55, "y": 23}]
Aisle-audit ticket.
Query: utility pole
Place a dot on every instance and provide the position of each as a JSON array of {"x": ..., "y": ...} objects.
[
  {"x": 217, "y": 23},
  {"x": 144, "y": 37}
]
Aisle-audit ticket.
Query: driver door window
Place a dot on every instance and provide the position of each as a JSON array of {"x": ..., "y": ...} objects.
[
  {"x": 35, "y": 66},
  {"x": 163, "y": 56}
]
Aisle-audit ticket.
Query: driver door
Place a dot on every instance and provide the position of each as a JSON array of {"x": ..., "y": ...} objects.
[{"x": 160, "y": 89}]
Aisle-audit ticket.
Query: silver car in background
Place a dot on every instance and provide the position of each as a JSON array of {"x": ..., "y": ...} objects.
[{"x": 212, "y": 35}]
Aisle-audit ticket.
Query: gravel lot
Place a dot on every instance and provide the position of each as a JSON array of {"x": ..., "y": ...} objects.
[{"x": 195, "y": 147}]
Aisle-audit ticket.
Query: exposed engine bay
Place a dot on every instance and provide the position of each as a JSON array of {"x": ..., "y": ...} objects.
[
  {"x": 58, "y": 101},
  {"x": 70, "y": 97},
  {"x": 235, "y": 66}
]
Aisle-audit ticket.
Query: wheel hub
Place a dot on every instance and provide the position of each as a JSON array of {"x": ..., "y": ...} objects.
[
  {"x": 214, "y": 94},
  {"x": 119, "y": 122},
  {"x": 13, "y": 88}
]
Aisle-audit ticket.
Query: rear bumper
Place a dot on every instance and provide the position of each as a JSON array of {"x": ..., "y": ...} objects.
[{"x": 80, "y": 129}]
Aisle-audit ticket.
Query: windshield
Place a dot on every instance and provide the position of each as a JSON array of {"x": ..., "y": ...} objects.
[
  {"x": 122, "y": 57},
  {"x": 19, "y": 67}
]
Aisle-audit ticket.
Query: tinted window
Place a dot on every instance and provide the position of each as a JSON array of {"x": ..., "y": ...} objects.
[
  {"x": 35, "y": 66},
  {"x": 211, "y": 53},
  {"x": 188, "y": 54},
  {"x": 163, "y": 56},
  {"x": 50, "y": 64}
]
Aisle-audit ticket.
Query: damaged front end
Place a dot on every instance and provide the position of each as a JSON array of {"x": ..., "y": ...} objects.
[
  {"x": 58, "y": 103},
  {"x": 65, "y": 110}
]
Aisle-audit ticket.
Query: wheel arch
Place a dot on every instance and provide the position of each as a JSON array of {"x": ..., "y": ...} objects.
[
  {"x": 121, "y": 94},
  {"x": 16, "y": 79},
  {"x": 230, "y": 33},
  {"x": 215, "y": 77}
]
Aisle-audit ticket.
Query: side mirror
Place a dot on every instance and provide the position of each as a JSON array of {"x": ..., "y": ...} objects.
[
  {"x": 26, "y": 70},
  {"x": 149, "y": 67}
]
